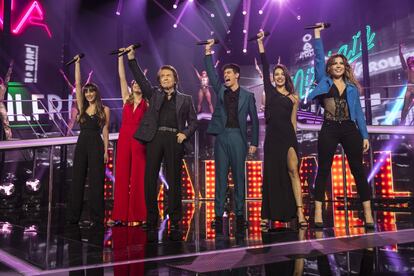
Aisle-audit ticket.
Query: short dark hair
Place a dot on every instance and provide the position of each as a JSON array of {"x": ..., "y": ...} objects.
[
  {"x": 232, "y": 66},
  {"x": 172, "y": 69}
]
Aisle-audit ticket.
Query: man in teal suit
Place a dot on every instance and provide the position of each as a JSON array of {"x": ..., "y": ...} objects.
[{"x": 229, "y": 125}]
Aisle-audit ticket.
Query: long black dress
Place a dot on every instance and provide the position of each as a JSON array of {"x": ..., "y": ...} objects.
[{"x": 278, "y": 201}]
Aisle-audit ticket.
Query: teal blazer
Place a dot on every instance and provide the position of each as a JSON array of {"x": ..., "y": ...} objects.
[{"x": 247, "y": 107}]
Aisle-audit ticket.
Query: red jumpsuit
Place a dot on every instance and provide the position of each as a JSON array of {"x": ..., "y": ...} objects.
[{"x": 129, "y": 200}]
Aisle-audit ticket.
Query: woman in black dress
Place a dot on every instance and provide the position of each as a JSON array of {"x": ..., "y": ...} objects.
[
  {"x": 282, "y": 195},
  {"x": 91, "y": 152}
]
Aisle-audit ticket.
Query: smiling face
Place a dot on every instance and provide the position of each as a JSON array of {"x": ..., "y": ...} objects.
[
  {"x": 279, "y": 77},
  {"x": 336, "y": 67},
  {"x": 90, "y": 95}
]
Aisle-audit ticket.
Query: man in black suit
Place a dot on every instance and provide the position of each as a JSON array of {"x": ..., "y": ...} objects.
[{"x": 165, "y": 128}]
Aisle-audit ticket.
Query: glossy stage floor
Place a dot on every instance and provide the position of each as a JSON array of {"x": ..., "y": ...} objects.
[{"x": 38, "y": 243}]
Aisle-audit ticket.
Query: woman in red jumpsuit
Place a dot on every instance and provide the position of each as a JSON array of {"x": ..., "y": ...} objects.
[{"x": 129, "y": 201}]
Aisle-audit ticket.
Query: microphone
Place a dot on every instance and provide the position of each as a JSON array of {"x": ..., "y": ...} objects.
[
  {"x": 74, "y": 59},
  {"x": 326, "y": 25},
  {"x": 205, "y": 42},
  {"x": 256, "y": 37},
  {"x": 116, "y": 52}
]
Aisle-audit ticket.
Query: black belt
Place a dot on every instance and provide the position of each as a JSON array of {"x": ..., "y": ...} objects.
[{"x": 170, "y": 129}]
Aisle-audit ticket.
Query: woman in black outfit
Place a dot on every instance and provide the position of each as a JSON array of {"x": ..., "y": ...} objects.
[
  {"x": 91, "y": 152},
  {"x": 282, "y": 195},
  {"x": 344, "y": 122}
]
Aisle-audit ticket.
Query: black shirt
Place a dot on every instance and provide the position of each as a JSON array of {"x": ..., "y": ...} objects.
[
  {"x": 335, "y": 105},
  {"x": 168, "y": 116},
  {"x": 231, "y": 103}
]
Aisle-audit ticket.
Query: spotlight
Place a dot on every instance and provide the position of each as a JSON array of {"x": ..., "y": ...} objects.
[
  {"x": 118, "y": 13},
  {"x": 228, "y": 31},
  {"x": 33, "y": 185},
  {"x": 298, "y": 17},
  {"x": 213, "y": 52},
  {"x": 175, "y": 6},
  {"x": 5, "y": 228},
  {"x": 244, "y": 12},
  {"x": 260, "y": 11},
  {"x": 175, "y": 26},
  {"x": 228, "y": 51},
  {"x": 190, "y": 0},
  {"x": 7, "y": 189},
  {"x": 228, "y": 14},
  {"x": 212, "y": 32},
  {"x": 212, "y": 15},
  {"x": 245, "y": 50},
  {"x": 244, "y": 31}
]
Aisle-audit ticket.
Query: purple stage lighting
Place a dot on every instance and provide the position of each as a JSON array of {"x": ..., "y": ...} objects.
[
  {"x": 175, "y": 26},
  {"x": 228, "y": 14},
  {"x": 245, "y": 50},
  {"x": 260, "y": 12},
  {"x": 298, "y": 17},
  {"x": 228, "y": 51},
  {"x": 175, "y": 6},
  {"x": 212, "y": 15},
  {"x": 119, "y": 7},
  {"x": 244, "y": 12}
]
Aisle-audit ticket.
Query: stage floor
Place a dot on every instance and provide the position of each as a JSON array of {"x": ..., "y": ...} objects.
[{"x": 29, "y": 245}]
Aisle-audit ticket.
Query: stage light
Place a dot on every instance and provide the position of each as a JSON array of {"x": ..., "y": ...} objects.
[
  {"x": 190, "y": 0},
  {"x": 33, "y": 184},
  {"x": 175, "y": 6},
  {"x": 175, "y": 26},
  {"x": 228, "y": 51},
  {"x": 228, "y": 31},
  {"x": 7, "y": 189},
  {"x": 244, "y": 50},
  {"x": 260, "y": 12},
  {"x": 298, "y": 17},
  {"x": 212, "y": 15},
  {"x": 228, "y": 14},
  {"x": 5, "y": 228},
  {"x": 244, "y": 12},
  {"x": 244, "y": 31}
]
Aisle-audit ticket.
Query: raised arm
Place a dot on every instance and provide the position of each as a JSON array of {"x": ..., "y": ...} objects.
[
  {"x": 105, "y": 133},
  {"x": 197, "y": 73},
  {"x": 402, "y": 59},
  {"x": 258, "y": 68},
  {"x": 139, "y": 76},
  {"x": 319, "y": 54},
  {"x": 9, "y": 72},
  {"x": 268, "y": 86},
  {"x": 122, "y": 78},
  {"x": 211, "y": 71},
  {"x": 67, "y": 80},
  {"x": 78, "y": 84}
]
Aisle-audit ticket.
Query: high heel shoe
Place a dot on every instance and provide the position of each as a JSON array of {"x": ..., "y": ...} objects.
[{"x": 304, "y": 223}]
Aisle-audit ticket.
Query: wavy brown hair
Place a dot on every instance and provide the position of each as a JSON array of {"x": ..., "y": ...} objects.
[
  {"x": 349, "y": 73},
  {"x": 98, "y": 101},
  {"x": 288, "y": 79}
]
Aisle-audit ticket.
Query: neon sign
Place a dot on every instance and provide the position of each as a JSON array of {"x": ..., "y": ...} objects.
[
  {"x": 304, "y": 78},
  {"x": 33, "y": 15}
]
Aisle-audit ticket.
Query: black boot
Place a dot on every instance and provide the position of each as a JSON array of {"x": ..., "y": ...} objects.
[{"x": 218, "y": 225}]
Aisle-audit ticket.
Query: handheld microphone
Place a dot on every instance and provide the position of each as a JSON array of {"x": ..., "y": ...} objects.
[
  {"x": 74, "y": 59},
  {"x": 205, "y": 42},
  {"x": 256, "y": 37},
  {"x": 326, "y": 25},
  {"x": 116, "y": 52}
]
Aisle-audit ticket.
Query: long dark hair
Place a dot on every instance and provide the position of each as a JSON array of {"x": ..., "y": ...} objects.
[
  {"x": 98, "y": 101},
  {"x": 288, "y": 79},
  {"x": 349, "y": 73}
]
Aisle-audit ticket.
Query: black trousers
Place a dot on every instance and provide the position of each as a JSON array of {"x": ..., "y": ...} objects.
[
  {"x": 88, "y": 160},
  {"x": 347, "y": 134},
  {"x": 164, "y": 146}
]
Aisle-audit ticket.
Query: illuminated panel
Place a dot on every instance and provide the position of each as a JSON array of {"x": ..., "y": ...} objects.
[
  {"x": 187, "y": 184},
  {"x": 254, "y": 215},
  {"x": 109, "y": 179},
  {"x": 209, "y": 179},
  {"x": 383, "y": 179},
  {"x": 307, "y": 173},
  {"x": 210, "y": 234},
  {"x": 254, "y": 179}
]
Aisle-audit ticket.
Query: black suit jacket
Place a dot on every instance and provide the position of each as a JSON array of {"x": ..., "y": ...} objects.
[{"x": 185, "y": 111}]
